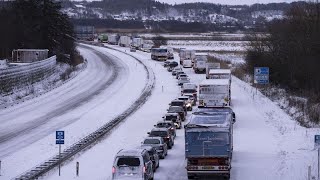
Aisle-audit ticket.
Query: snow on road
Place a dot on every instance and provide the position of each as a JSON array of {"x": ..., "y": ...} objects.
[{"x": 104, "y": 103}]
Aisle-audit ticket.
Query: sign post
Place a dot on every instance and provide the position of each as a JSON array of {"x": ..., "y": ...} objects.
[{"x": 59, "y": 140}]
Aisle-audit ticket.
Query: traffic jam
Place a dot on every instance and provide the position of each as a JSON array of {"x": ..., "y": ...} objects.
[{"x": 208, "y": 130}]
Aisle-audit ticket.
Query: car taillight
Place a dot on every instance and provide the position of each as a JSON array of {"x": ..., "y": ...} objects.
[
  {"x": 144, "y": 169},
  {"x": 113, "y": 170}
]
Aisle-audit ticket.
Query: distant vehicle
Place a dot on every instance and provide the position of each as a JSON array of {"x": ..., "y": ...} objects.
[
  {"x": 200, "y": 62},
  {"x": 183, "y": 80},
  {"x": 166, "y": 63},
  {"x": 169, "y": 68},
  {"x": 158, "y": 143},
  {"x": 209, "y": 142},
  {"x": 187, "y": 63},
  {"x": 174, "y": 71},
  {"x": 173, "y": 117},
  {"x": 173, "y": 64},
  {"x": 190, "y": 92},
  {"x": 220, "y": 74},
  {"x": 113, "y": 39},
  {"x": 179, "y": 72},
  {"x": 124, "y": 41},
  {"x": 169, "y": 125},
  {"x": 159, "y": 54},
  {"x": 132, "y": 164},
  {"x": 179, "y": 110},
  {"x": 214, "y": 93},
  {"x": 132, "y": 49},
  {"x": 137, "y": 43},
  {"x": 170, "y": 51},
  {"x": 180, "y": 103},
  {"x": 103, "y": 38},
  {"x": 186, "y": 54},
  {"x": 164, "y": 133},
  {"x": 182, "y": 75},
  {"x": 211, "y": 66},
  {"x": 189, "y": 86},
  {"x": 189, "y": 100},
  {"x": 154, "y": 157}
]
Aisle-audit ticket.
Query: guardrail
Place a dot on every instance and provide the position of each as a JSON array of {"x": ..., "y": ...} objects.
[{"x": 20, "y": 76}]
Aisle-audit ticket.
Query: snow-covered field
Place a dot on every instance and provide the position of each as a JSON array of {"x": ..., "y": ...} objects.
[
  {"x": 268, "y": 144},
  {"x": 210, "y": 45}
]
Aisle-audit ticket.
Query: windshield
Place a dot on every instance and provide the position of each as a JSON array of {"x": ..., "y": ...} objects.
[
  {"x": 151, "y": 141},
  {"x": 171, "y": 117},
  {"x": 176, "y": 103},
  {"x": 184, "y": 99},
  {"x": 189, "y": 91},
  {"x": 159, "y": 133},
  {"x": 166, "y": 125},
  {"x": 175, "y": 109},
  {"x": 128, "y": 161}
]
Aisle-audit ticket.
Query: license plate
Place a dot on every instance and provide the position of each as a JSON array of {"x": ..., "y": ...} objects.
[{"x": 207, "y": 167}]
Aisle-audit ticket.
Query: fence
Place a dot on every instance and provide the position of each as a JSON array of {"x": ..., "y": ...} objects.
[{"x": 20, "y": 76}]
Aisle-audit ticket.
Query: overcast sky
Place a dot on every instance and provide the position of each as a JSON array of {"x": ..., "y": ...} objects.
[{"x": 230, "y": 2}]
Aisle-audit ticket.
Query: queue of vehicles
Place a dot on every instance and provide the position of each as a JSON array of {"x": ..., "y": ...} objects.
[{"x": 208, "y": 132}]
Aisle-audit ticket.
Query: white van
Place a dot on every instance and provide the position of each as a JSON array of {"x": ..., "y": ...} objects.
[{"x": 187, "y": 63}]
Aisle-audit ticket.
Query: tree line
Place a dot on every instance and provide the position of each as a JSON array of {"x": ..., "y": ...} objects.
[
  {"x": 292, "y": 51},
  {"x": 36, "y": 24}
]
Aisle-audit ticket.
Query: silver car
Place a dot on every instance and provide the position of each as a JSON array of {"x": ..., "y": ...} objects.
[
  {"x": 132, "y": 164},
  {"x": 158, "y": 143},
  {"x": 183, "y": 80}
]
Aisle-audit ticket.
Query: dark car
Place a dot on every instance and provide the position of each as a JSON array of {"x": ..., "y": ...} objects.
[
  {"x": 158, "y": 143},
  {"x": 166, "y": 63},
  {"x": 179, "y": 110},
  {"x": 173, "y": 64},
  {"x": 180, "y": 103},
  {"x": 154, "y": 157},
  {"x": 169, "y": 125},
  {"x": 164, "y": 133}
]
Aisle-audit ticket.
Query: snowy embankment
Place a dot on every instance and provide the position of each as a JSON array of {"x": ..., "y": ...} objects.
[
  {"x": 60, "y": 76},
  {"x": 107, "y": 87}
]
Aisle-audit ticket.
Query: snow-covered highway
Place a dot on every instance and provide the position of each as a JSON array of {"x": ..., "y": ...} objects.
[{"x": 79, "y": 107}]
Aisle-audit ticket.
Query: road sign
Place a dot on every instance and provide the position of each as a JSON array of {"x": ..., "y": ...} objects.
[
  {"x": 317, "y": 140},
  {"x": 261, "y": 75},
  {"x": 59, "y": 137}
]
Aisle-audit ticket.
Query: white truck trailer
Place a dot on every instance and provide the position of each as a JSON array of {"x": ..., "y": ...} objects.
[
  {"x": 137, "y": 43},
  {"x": 220, "y": 74},
  {"x": 214, "y": 93},
  {"x": 211, "y": 66},
  {"x": 113, "y": 39},
  {"x": 124, "y": 41},
  {"x": 186, "y": 54},
  {"x": 200, "y": 61}
]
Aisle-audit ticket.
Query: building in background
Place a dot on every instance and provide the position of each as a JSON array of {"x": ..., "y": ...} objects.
[
  {"x": 84, "y": 32},
  {"x": 29, "y": 55}
]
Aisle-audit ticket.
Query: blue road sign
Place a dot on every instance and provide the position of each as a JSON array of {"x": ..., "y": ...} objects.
[
  {"x": 317, "y": 139},
  {"x": 59, "y": 137},
  {"x": 261, "y": 75}
]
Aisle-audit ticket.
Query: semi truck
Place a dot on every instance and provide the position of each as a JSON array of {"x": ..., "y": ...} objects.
[
  {"x": 220, "y": 74},
  {"x": 214, "y": 93},
  {"x": 103, "y": 38},
  {"x": 200, "y": 62},
  {"x": 113, "y": 39},
  {"x": 210, "y": 65},
  {"x": 124, "y": 41},
  {"x": 159, "y": 54},
  {"x": 137, "y": 43},
  {"x": 170, "y": 51},
  {"x": 209, "y": 142},
  {"x": 186, "y": 54}
]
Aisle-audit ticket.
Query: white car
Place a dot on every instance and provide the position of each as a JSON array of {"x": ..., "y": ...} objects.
[
  {"x": 187, "y": 63},
  {"x": 183, "y": 80}
]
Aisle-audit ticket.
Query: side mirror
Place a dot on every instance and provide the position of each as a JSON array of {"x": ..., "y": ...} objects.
[
  {"x": 148, "y": 132},
  {"x": 233, "y": 117},
  {"x": 162, "y": 116},
  {"x": 154, "y": 125}
]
